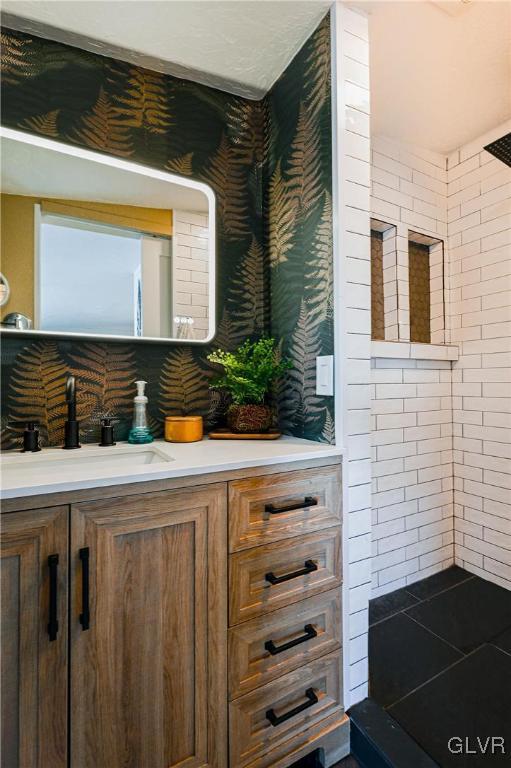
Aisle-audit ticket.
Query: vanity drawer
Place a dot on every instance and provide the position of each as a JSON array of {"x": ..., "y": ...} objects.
[
  {"x": 265, "y": 648},
  {"x": 274, "y": 507},
  {"x": 266, "y": 578},
  {"x": 290, "y": 709}
]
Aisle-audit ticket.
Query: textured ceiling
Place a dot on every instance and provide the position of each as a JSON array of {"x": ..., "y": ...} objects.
[
  {"x": 241, "y": 46},
  {"x": 439, "y": 78},
  {"x": 440, "y": 70}
]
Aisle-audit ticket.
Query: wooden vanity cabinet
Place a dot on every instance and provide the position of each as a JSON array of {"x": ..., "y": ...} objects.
[
  {"x": 148, "y": 671},
  {"x": 285, "y": 627},
  {"x": 148, "y": 633},
  {"x": 34, "y": 640},
  {"x": 186, "y": 608}
]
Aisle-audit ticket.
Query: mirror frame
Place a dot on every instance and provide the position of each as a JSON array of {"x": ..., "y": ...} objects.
[{"x": 137, "y": 170}]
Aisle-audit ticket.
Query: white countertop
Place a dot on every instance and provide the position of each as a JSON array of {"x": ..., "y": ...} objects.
[{"x": 53, "y": 470}]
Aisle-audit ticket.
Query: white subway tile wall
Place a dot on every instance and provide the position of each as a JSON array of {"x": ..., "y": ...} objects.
[
  {"x": 412, "y": 509},
  {"x": 190, "y": 270},
  {"x": 408, "y": 190},
  {"x": 442, "y": 455},
  {"x": 411, "y": 406},
  {"x": 352, "y": 72},
  {"x": 479, "y": 208}
]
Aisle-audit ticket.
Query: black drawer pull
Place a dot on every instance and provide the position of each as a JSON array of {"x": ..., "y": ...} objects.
[
  {"x": 309, "y": 501},
  {"x": 85, "y": 614},
  {"x": 278, "y": 719},
  {"x": 53, "y": 624},
  {"x": 310, "y": 634},
  {"x": 310, "y": 566}
]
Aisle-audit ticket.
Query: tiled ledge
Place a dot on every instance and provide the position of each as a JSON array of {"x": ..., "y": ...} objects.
[{"x": 405, "y": 350}]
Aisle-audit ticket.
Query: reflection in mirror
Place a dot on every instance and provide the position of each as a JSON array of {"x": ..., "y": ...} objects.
[
  {"x": 96, "y": 246},
  {"x": 4, "y": 290}
]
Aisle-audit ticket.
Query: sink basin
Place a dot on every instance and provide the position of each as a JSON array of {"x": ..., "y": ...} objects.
[{"x": 85, "y": 459}]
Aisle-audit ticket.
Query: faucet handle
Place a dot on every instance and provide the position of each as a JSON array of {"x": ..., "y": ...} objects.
[
  {"x": 107, "y": 431},
  {"x": 30, "y": 435}
]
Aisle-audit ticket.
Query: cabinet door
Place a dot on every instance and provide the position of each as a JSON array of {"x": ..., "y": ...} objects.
[
  {"x": 148, "y": 672},
  {"x": 34, "y": 638}
]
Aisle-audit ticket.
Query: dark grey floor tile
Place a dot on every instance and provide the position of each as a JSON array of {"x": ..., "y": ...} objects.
[
  {"x": 403, "y": 655},
  {"x": 378, "y": 740},
  {"x": 387, "y": 605},
  {"x": 431, "y": 586},
  {"x": 467, "y": 616},
  {"x": 469, "y": 700},
  {"x": 503, "y": 641},
  {"x": 348, "y": 762}
]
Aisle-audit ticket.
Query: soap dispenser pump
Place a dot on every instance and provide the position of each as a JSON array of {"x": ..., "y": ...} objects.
[{"x": 139, "y": 432}]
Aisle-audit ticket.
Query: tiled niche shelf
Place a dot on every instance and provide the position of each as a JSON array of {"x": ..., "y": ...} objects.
[{"x": 405, "y": 350}]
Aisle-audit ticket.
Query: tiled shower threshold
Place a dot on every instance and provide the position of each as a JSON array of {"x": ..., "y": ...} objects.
[{"x": 440, "y": 666}]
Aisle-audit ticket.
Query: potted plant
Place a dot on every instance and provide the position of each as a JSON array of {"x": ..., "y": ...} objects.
[{"x": 248, "y": 375}]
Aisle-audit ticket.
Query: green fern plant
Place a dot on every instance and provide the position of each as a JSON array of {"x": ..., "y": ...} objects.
[{"x": 249, "y": 371}]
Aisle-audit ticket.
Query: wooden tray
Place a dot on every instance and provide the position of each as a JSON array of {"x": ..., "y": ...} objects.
[{"x": 225, "y": 434}]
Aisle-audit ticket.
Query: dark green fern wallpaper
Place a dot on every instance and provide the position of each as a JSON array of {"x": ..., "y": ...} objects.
[
  {"x": 298, "y": 231},
  {"x": 269, "y": 164}
]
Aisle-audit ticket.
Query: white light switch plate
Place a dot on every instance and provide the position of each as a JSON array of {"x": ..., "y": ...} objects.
[{"x": 325, "y": 375}]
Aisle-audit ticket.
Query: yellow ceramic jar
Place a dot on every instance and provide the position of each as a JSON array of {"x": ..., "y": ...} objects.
[{"x": 183, "y": 429}]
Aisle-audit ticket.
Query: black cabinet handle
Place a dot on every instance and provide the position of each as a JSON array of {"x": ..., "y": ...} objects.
[
  {"x": 310, "y": 634},
  {"x": 278, "y": 719},
  {"x": 309, "y": 501},
  {"x": 85, "y": 614},
  {"x": 309, "y": 567},
  {"x": 53, "y": 624}
]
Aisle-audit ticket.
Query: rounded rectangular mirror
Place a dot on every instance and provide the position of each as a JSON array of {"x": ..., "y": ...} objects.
[{"x": 94, "y": 246}]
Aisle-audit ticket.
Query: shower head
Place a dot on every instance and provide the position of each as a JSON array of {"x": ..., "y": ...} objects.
[{"x": 501, "y": 149}]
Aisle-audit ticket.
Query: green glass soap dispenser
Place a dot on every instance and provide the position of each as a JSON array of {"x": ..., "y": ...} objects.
[{"x": 139, "y": 432}]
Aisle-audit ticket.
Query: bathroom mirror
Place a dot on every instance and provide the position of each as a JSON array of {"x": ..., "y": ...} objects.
[
  {"x": 100, "y": 247},
  {"x": 4, "y": 290}
]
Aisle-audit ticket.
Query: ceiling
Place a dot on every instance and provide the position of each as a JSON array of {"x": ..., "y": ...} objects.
[
  {"x": 440, "y": 72},
  {"x": 29, "y": 169},
  {"x": 440, "y": 69},
  {"x": 241, "y": 46}
]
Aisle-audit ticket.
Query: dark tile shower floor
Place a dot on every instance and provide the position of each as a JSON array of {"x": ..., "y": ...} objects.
[{"x": 440, "y": 664}]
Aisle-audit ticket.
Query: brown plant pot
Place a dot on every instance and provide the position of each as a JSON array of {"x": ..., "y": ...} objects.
[{"x": 249, "y": 418}]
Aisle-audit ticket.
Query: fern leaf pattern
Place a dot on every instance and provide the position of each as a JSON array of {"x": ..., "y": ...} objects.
[
  {"x": 182, "y": 165},
  {"x": 245, "y": 126},
  {"x": 328, "y": 431},
  {"x": 15, "y": 62},
  {"x": 225, "y": 334},
  {"x": 318, "y": 69},
  {"x": 282, "y": 218},
  {"x": 299, "y": 397},
  {"x": 37, "y": 390},
  {"x": 319, "y": 285},
  {"x": 298, "y": 208},
  {"x": 105, "y": 376},
  {"x": 305, "y": 347},
  {"x": 183, "y": 385},
  {"x": 45, "y": 124},
  {"x": 269, "y": 164},
  {"x": 100, "y": 129},
  {"x": 250, "y": 293},
  {"x": 218, "y": 404},
  {"x": 144, "y": 102},
  {"x": 305, "y": 162},
  {"x": 226, "y": 175}
]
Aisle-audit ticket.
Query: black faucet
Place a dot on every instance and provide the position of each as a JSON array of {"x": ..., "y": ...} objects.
[{"x": 72, "y": 426}]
